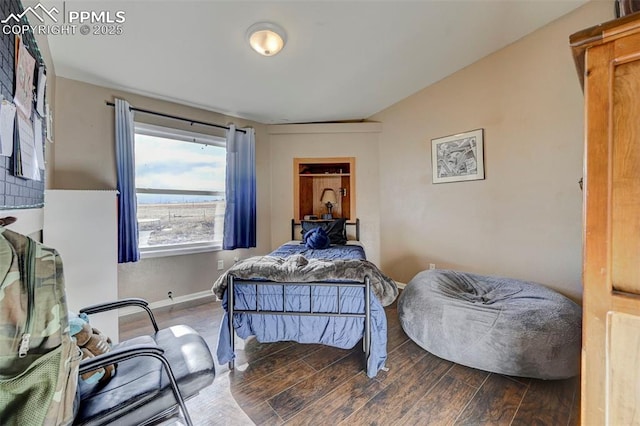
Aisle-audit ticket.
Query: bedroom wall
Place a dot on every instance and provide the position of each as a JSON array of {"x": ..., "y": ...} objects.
[
  {"x": 358, "y": 140},
  {"x": 524, "y": 219},
  {"x": 85, "y": 159}
]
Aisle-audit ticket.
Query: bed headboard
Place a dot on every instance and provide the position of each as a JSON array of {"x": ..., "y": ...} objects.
[{"x": 295, "y": 225}]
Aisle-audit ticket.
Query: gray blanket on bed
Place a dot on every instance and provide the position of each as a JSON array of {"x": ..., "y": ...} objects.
[{"x": 297, "y": 268}]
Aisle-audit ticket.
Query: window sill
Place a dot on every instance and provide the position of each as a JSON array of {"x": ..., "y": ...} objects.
[{"x": 151, "y": 252}]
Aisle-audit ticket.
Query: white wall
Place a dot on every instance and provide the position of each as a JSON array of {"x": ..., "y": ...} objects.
[{"x": 29, "y": 221}]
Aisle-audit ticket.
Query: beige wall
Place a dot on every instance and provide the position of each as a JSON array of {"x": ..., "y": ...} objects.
[
  {"x": 359, "y": 140},
  {"x": 85, "y": 159},
  {"x": 524, "y": 219}
]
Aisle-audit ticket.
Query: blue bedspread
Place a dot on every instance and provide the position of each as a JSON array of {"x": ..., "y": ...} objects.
[
  {"x": 333, "y": 252},
  {"x": 333, "y": 331}
]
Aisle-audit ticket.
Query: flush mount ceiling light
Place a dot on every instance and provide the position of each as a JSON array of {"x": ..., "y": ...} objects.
[{"x": 266, "y": 38}]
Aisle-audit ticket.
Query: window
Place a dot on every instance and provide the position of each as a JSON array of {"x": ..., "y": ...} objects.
[{"x": 180, "y": 187}]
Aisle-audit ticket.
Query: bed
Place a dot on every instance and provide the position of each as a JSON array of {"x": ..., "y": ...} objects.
[{"x": 332, "y": 296}]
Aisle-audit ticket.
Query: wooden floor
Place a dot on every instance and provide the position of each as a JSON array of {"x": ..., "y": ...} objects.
[{"x": 295, "y": 384}]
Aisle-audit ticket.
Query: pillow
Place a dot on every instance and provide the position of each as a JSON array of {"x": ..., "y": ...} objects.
[
  {"x": 316, "y": 238},
  {"x": 335, "y": 229}
]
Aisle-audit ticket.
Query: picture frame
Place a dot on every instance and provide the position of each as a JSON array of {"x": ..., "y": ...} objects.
[{"x": 458, "y": 157}]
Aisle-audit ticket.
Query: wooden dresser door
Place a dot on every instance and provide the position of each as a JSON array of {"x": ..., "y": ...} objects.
[{"x": 611, "y": 273}]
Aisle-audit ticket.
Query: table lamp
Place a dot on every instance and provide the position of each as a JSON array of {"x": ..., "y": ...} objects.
[{"x": 328, "y": 199}]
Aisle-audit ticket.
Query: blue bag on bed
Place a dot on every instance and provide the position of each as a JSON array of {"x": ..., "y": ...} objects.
[{"x": 316, "y": 238}]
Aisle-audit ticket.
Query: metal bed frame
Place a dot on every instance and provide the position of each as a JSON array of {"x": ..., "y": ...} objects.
[{"x": 365, "y": 285}]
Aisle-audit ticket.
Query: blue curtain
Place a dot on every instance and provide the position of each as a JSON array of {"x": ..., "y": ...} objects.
[
  {"x": 240, "y": 214},
  {"x": 125, "y": 164}
]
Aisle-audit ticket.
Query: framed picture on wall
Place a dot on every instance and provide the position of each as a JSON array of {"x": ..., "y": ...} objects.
[{"x": 458, "y": 157}]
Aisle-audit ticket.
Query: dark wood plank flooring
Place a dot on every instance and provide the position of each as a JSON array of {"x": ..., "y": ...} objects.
[{"x": 296, "y": 384}]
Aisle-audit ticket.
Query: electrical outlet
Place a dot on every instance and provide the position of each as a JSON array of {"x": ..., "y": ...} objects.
[
  {"x": 220, "y": 264},
  {"x": 236, "y": 259},
  {"x": 170, "y": 295},
  {"x": 432, "y": 266}
]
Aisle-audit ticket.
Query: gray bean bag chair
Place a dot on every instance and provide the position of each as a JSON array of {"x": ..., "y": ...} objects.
[{"x": 501, "y": 325}]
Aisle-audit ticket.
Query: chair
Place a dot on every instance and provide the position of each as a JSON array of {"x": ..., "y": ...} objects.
[{"x": 154, "y": 376}]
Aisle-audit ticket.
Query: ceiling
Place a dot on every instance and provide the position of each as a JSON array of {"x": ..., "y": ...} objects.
[{"x": 344, "y": 60}]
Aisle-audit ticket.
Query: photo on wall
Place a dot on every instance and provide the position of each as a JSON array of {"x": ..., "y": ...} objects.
[{"x": 458, "y": 157}]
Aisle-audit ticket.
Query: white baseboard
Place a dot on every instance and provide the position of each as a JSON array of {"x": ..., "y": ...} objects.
[
  {"x": 401, "y": 285},
  {"x": 167, "y": 302}
]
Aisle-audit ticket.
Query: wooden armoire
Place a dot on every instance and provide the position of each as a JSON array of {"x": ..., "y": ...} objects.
[{"x": 608, "y": 62}]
